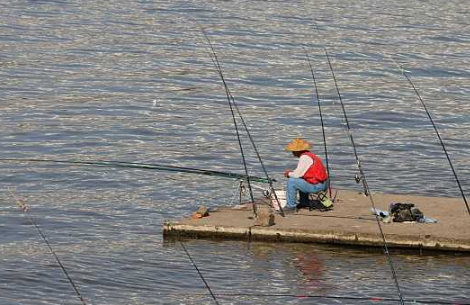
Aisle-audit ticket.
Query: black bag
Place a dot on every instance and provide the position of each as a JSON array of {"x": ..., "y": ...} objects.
[
  {"x": 401, "y": 212},
  {"x": 312, "y": 205}
]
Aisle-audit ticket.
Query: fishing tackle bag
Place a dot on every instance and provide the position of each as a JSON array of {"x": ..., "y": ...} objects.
[
  {"x": 319, "y": 201},
  {"x": 401, "y": 212},
  {"x": 311, "y": 205}
]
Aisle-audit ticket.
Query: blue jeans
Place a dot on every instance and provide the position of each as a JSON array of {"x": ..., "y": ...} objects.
[{"x": 304, "y": 188}]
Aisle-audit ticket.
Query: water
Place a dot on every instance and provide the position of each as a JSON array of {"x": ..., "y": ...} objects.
[{"x": 133, "y": 81}]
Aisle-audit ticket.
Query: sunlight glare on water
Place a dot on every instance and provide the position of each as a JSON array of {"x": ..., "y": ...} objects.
[{"x": 133, "y": 81}]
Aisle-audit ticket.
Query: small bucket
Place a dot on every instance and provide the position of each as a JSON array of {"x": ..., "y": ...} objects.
[{"x": 281, "y": 196}]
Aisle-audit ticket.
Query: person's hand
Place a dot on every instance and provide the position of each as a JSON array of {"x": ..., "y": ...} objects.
[{"x": 286, "y": 173}]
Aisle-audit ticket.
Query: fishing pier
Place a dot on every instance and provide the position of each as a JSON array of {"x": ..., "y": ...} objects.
[{"x": 351, "y": 222}]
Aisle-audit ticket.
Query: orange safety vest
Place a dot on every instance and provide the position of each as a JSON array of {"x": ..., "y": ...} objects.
[{"x": 316, "y": 173}]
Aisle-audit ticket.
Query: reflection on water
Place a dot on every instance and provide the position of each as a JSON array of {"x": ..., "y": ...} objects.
[{"x": 133, "y": 81}]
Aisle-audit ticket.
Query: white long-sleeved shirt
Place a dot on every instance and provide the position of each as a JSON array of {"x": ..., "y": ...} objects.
[{"x": 304, "y": 164}]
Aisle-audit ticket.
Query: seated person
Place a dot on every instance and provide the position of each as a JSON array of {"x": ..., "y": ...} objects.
[{"x": 310, "y": 176}]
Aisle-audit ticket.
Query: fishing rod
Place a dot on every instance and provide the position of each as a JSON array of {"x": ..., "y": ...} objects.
[
  {"x": 321, "y": 119},
  {"x": 362, "y": 177},
  {"x": 176, "y": 90},
  {"x": 22, "y": 204},
  {"x": 233, "y": 104},
  {"x": 215, "y": 62},
  {"x": 200, "y": 274},
  {"x": 436, "y": 131},
  {"x": 270, "y": 181},
  {"x": 143, "y": 166},
  {"x": 313, "y": 296},
  {"x": 333, "y": 297}
]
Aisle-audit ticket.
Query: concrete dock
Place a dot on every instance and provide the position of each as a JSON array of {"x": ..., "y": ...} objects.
[{"x": 350, "y": 222}]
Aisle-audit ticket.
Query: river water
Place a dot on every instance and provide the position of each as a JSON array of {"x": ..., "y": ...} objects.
[{"x": 133, "y": 81}]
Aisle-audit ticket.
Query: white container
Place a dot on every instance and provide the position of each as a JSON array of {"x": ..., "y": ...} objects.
[{"x": 281, "y": 196}]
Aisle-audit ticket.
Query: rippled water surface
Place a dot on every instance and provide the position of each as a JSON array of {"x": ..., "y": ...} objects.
[{"x": 133, "y": 81}]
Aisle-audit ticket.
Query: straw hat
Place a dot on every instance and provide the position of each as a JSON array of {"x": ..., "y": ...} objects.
[{"x": 298, "y": 144}]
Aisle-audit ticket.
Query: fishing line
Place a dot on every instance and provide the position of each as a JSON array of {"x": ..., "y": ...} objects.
[
  {"x": 361, "y": 176},
  {"x": 237, "y": 191},
  {"x": 216, "y": 63},
  {"x": 321, "y": 119},
  {"x": 232, "y": 102},
  {"x": 22, "y": 204},
  {"x": 200, "y": 274},
  {"x": 143, "y": 166},
  {"x": 437, "y": 132}
]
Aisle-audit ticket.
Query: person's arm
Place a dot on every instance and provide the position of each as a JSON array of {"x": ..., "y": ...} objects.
[{"x": 304, "y": 163}]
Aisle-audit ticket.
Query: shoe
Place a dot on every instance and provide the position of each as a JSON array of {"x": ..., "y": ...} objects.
[{"x": 289, "y": 211}]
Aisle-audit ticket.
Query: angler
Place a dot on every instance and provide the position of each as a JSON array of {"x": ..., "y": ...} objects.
[{"x": 310, "y": 175}]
